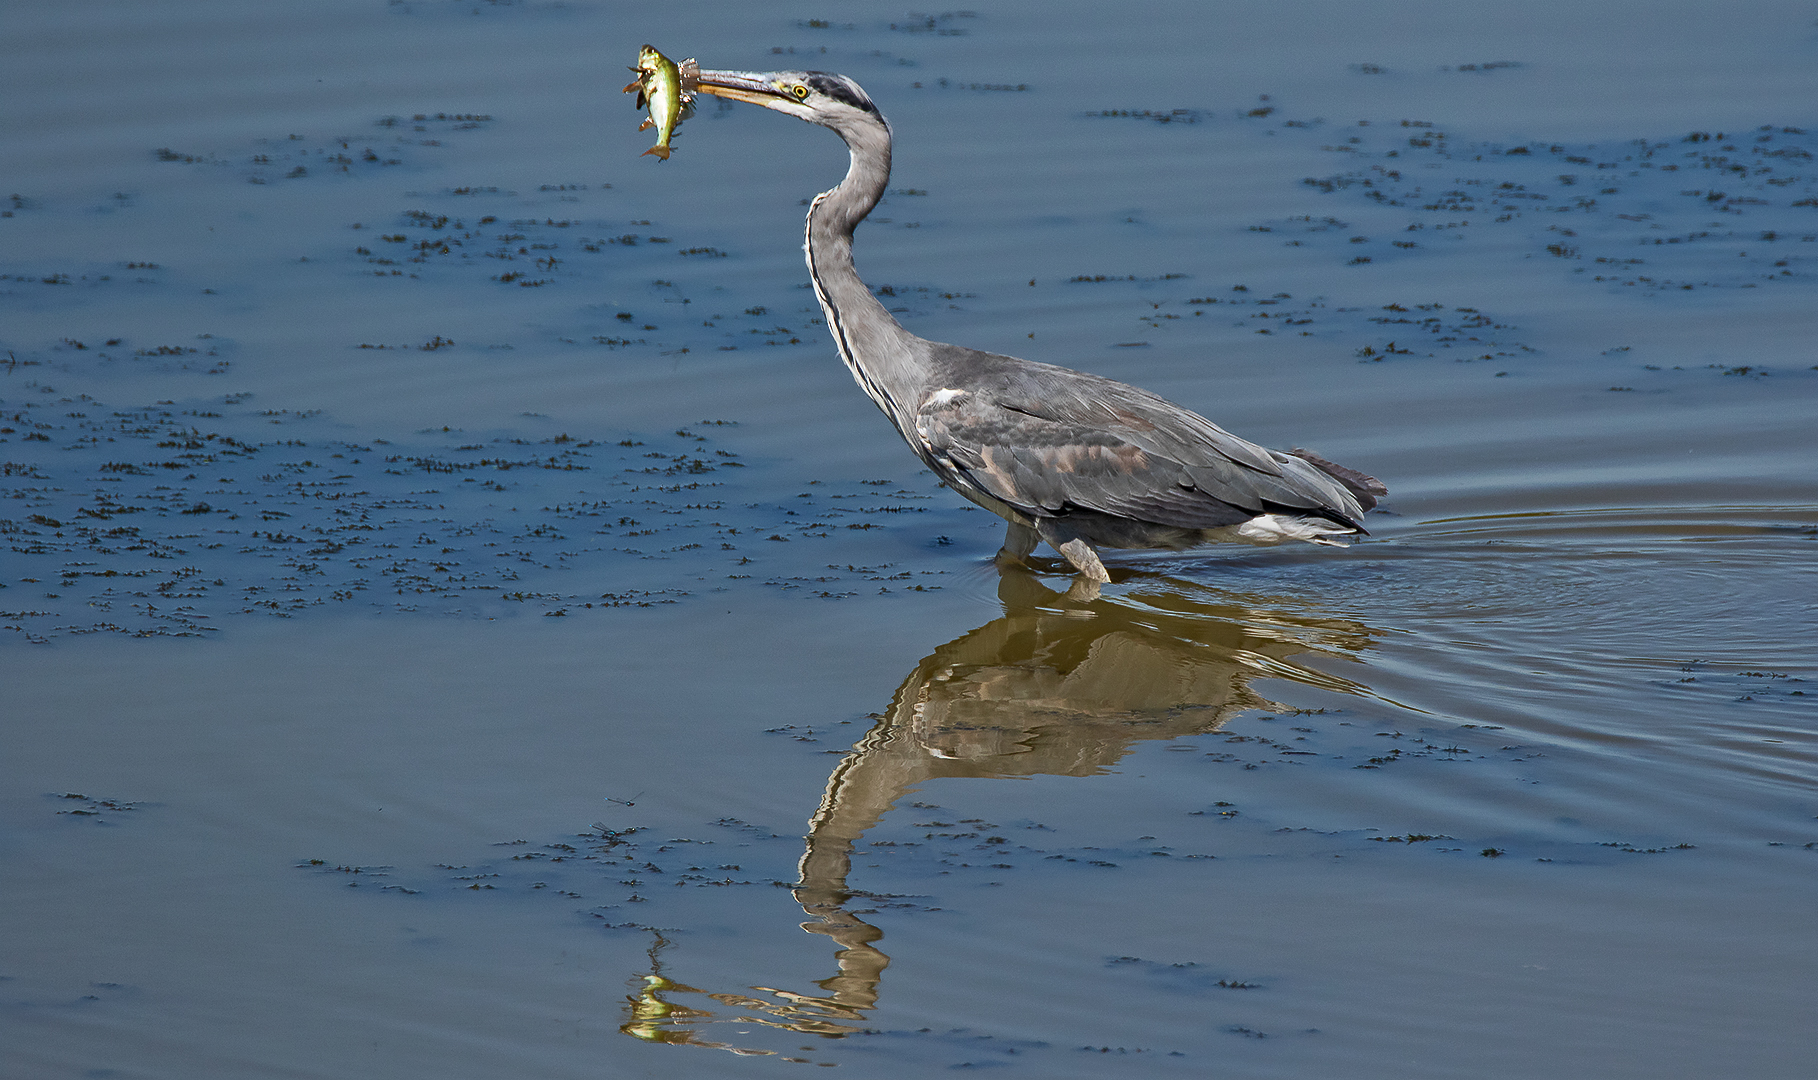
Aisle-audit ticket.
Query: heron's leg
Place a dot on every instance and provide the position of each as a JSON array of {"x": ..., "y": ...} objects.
[
  {"x": 1085, "y": 560},
  {"x": 1019, "y": 541},
  {"x": 1074, "y": 548}
]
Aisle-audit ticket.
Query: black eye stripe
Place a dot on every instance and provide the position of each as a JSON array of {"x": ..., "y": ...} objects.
[{"x": 839, "y": 90}]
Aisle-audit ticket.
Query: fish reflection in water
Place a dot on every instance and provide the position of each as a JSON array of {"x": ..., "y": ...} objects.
[{"x": 1057, "y": 686}]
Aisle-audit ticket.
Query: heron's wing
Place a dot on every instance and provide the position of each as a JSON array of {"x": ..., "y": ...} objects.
[
  {"x": 1044, "y": 467},
  {"x": 1096, "y": 444}
]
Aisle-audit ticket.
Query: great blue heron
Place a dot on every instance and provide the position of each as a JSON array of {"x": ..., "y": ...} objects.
[{"x": 1073, "y": 459}]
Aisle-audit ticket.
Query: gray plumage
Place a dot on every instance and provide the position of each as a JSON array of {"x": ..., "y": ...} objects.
[{"x": 1073, "y": 459}]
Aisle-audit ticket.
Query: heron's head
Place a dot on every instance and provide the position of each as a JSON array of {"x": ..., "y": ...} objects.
[{"x": 818, "y": 97}]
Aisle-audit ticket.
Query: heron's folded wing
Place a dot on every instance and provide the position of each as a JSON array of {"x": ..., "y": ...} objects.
[
  {"x": 1107, "y": 446},
  {"x": 1044, "y": 465}
]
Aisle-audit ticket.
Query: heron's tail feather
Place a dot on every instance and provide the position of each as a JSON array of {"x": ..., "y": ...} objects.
[{"x": 1365, "y": 487}]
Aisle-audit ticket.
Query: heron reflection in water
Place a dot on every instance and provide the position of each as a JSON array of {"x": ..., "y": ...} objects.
[{"x": 1057, "y": 686}]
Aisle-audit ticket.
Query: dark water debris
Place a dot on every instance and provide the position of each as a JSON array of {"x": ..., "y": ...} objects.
[
  {"x": 1695, "y": 210},
  {"x": 169, "y": 519}
]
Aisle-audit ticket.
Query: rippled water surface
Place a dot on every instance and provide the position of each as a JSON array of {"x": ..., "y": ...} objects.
[{"x": 461, "y": 620}]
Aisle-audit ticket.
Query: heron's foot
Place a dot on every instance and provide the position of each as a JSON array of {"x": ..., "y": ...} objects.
[{"x": 1085, "y": 560}]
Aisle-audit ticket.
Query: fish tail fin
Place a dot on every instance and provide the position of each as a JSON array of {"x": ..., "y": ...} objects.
[{"x": 662, "y": 152}]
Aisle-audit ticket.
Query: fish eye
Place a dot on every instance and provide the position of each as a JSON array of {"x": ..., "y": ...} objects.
[{"x": 800, "y": 92}]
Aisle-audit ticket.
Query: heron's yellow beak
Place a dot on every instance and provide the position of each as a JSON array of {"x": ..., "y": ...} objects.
[{"x": 751, "y": 86}]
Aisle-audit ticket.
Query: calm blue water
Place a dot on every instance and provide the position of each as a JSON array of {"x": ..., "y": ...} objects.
[{"x": 460, "y": 619}]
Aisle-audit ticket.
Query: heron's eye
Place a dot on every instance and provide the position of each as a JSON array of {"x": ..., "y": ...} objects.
[{"x": 800, "y": 92}]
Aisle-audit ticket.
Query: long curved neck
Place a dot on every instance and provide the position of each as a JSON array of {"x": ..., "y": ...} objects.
[{"x": 875, "y": 347}]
